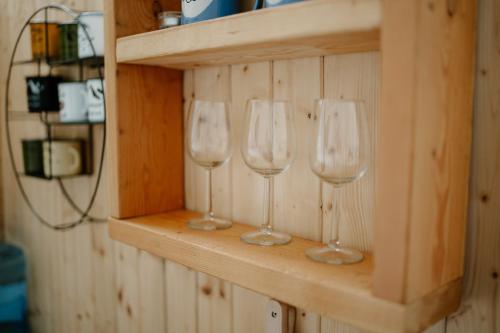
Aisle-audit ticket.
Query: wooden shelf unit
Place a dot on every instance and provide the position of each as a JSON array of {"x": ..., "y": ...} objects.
[
  {"x": 412, "y": 278},
  {"x": 313, "y": 28},
  {"x": 284, "y": 273}
]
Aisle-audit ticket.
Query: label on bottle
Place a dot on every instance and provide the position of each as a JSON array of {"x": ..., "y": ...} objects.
[{"x": 193, "y": 8}]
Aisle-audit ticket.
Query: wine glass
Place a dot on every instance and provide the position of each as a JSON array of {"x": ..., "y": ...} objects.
[
  {"x": 338, "y": 154},
  {"x": 268, "y": 148},
  {"x": 209, "y": 145}
]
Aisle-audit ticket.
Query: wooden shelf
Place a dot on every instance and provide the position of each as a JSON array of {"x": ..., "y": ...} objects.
[
  {"x": 417, "y": 211},
  {"x": 283, "y": 272},
  {"x": 311, "y": 28}
]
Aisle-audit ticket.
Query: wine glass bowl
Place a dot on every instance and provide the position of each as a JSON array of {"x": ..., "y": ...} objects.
[
  {"x": 268, "y": 148},
  {"x": 268, "y": 144},
  {"x": 208, "y": 140},
  {"x": 338, "y": 151},
  {"x": 339, "y": 155}
]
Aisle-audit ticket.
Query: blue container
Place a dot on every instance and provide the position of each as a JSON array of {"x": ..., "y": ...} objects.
[
  {"x": 13, "y": 302},
  {"x": 200, "y": 10},
  {"x": 12, "y": 286}
]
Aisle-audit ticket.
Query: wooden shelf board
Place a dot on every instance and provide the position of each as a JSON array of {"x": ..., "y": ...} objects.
[
  {"x": 282, "y": 272},
  {"x": 311, "y": 28}
]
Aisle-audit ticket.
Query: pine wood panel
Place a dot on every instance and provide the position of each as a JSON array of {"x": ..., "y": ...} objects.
[
  {"x": 423, "y": 160},
  {"x": 61, "y": 265},
  {"x": 127, "y": 288},
  {"x": 248, "y": 310},
  {"x": 182, "y": 282},
  {"x": 341, "y": 292},
  {"x": 346, "y": 26},
  {"x": 480, "y": 309},
  {"x": 297, "y": 206},
  {"x": 143, "y": 125},
  {"x": 356, "y": 77},
  {"x": 477, "y": 315},
  {"x": 353, "y": 76},
  {"x": 181, "y": 298},
  {"x": 152, "y": 292},
  {"x": 297, "y": 192},
  {"x": 247, "y": 81},
  {"x": 214, "y": 295}
]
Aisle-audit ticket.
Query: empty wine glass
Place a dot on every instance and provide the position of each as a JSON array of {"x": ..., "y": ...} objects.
[
  {"x": 338, "y": 154},
  {"x": 268, "y": 148},
  {"x": 209, "y": 145}
]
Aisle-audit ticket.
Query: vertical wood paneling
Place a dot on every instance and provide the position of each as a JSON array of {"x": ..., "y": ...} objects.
[
  {"x": 297, "y": 191},
  {"x": 214, "y": 295},
  {"x": 428, "y": 58},
  {"x": 125, "y": 290},
  {"x": 247, "y": 81},
  {"x": 152, "y": 296},
  {"x": 214, "y": 305},
  {"x": 213, "y": 84},
  {"x": 104, "y": 296},
  {"x": 352, "y": 76},
  {"x": 179, "y": 279},
  {"x": 139, "y": 280},
  {"x": 331, "y": 326},
  {"x": 248, "y": 311},
  {"x": 83, "y": 276},
  {"x": 480, "y": 309},
  {"x": 181, "y": 298}
]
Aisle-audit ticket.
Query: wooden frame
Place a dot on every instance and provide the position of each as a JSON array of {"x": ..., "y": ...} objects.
[
  {"x": 425, "y": 126},
  {"x": 256, "y": 36},
  {"x": 422, "y": 152}
]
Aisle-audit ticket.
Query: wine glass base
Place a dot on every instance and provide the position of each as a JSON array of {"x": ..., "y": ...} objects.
[
  {"x": 266, "y": 237},
  {"x": 209, "y": 224},
  {"x": 335, "y": 255}
]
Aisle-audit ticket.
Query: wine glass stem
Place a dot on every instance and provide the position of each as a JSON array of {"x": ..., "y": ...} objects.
[
  {"x": 210, "y": 213},
  {"x": 270, "y": 198},
  {"x": 334, "y": 241}
]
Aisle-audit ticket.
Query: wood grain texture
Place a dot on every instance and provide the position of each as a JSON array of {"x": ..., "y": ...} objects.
[
  {"x": 297, "y": 191},
  {"x": 248, "y": 310},
  {"x": 480, "y": 309},
  {"x": 346, "y": 26},
  {"x": 52, "y": 312},
  {"x": 182, "y": 305},
  {"x": 297, "y": 208},
  {"x": 127, "y": 288},
  {"x": 355, "y": 77},
  {"x": 424, "y": 146},
  {"x": 140, "y": 291},
  {"x": 152, "y": 305},
  {"x": 141, "y": 150},
  {"x": 342, "y": 292},
  {"x": 247, "y": 81},
  {"x": 214, "y": 295},
  {"x": 214, "y": 305},
  {"x": 62, "y": 286},
  {"x": 144, "y": 125}
]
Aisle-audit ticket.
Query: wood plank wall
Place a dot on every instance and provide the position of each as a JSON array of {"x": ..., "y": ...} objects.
[{"x": 80, "y": 281}]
